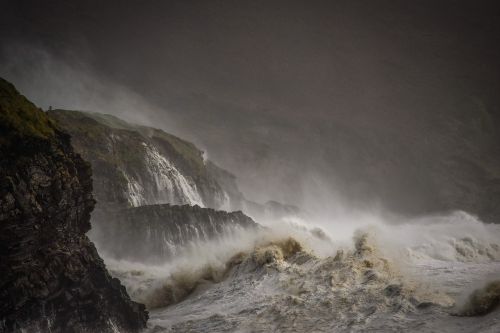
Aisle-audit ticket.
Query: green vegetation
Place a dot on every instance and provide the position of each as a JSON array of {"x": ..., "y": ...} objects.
[
  {"x": 19, "y": 117},
  {"x": 95, "y": 127},
  {"x": 89, "y": 136},
  {"x": 109, "y": 120},
  {"x": 188, "y": 151},
  {"x": 117, "y": 149}
]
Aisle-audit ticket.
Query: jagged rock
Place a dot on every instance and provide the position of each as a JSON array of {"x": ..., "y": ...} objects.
[
  {"x": 158, "y": 232},
  {"x": 271, "y": 210},
  {"x": 138, "y": 165},
  {"x": 52, "y": 279}
]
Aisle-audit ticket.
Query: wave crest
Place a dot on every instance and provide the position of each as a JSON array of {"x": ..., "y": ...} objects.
[
  {"x": 184, "y": 281},
  {"x": 276, "y": 251},
  {"x": 482, "y": 301}
]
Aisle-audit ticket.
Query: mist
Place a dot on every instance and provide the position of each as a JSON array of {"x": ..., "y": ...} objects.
[
  {"x": 54, "y": 83},
  {"x": 285, "y": 166},
  {"x": 280, "y": 93}
]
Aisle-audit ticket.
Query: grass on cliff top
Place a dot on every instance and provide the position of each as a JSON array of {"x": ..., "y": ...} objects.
[
  {"x": 109, "y": 120},
  {"x": 78, "y": 122},
  {"x": 188, "y": 150},
  {"x": 183, "y": 147},
  {"x": 21, "y": 118},
  {"x": 69, "y": 119}
]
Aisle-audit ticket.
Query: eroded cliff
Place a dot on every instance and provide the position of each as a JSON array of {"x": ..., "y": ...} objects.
[
  {"x": 137, "y": 165},
  {"x": 155, "y": 233},
  {"x": 53, "y": 279}
]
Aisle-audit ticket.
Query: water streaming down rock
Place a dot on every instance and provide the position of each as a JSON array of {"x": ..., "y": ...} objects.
[
  {"x": 207, "y": 271},
  {"x": 137, "y": 165},
  {"x": 168, "y": 184}
]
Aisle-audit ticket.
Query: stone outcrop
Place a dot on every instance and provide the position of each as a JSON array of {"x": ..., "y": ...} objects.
[
  {"x": 138, "y": 165},
  {"x": 157, "y": 232},
  {"x": 52, "y": 278}
]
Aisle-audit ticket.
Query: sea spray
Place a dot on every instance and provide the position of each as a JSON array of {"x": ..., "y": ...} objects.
[
  {"x": 296, "y": 277},
  {"x": 482, "y": 300}
]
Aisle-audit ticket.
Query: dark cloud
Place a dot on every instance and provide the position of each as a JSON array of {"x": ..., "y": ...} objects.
[{"x": 274, "y": 89}]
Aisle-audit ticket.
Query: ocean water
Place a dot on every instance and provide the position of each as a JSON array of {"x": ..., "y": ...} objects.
[{"x": 432, "y": 274}]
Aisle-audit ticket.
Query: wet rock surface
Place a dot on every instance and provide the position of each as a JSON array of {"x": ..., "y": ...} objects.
[
  {"x": 158, "y": 232},
  {"x": 137, "y": 165},
  {"x": 52, "y": 278}
]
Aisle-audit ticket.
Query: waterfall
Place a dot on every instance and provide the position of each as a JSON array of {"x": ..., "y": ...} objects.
[{"x": 161, "y": 183}]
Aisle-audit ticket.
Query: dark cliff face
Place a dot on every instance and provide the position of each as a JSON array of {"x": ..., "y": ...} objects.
[
  {"x": 52, "y": 277},
  {"x": 158, "y": 232},
  {"x": 137, "y": 165}
]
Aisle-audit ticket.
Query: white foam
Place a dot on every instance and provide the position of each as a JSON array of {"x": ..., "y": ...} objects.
[{"x": 163, "y": 183}]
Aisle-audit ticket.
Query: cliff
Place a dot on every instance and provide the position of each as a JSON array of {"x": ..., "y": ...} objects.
[
  {"x": 158, "y": 232},
  {"x": 52, "y": 278},
  {"x": 138, "y": 165}
]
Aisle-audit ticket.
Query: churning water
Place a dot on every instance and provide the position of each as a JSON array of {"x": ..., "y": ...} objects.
[{"x": 433, "y": 274}]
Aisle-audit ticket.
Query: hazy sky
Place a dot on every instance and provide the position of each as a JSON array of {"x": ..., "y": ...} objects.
[{"x": 264, "y": 86}]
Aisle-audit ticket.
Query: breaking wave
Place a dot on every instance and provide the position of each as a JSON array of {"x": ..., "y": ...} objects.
[
  {"x": 482, "y": 301},
  {"x": 298, "y": 277},
  {"x": 455, "y": 237}
]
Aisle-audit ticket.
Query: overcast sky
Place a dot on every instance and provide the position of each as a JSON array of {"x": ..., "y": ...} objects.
[{"x": 259, "y": 85}]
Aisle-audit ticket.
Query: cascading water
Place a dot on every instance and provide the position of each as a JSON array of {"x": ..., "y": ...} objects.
[
  {"x": 171, "y": 185},
  {"x": 135, "y": 192},
  {"x": 162, "y": 183}
]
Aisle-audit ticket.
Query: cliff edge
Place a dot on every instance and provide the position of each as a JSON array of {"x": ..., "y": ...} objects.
[{"x": 53, "y": 279}]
